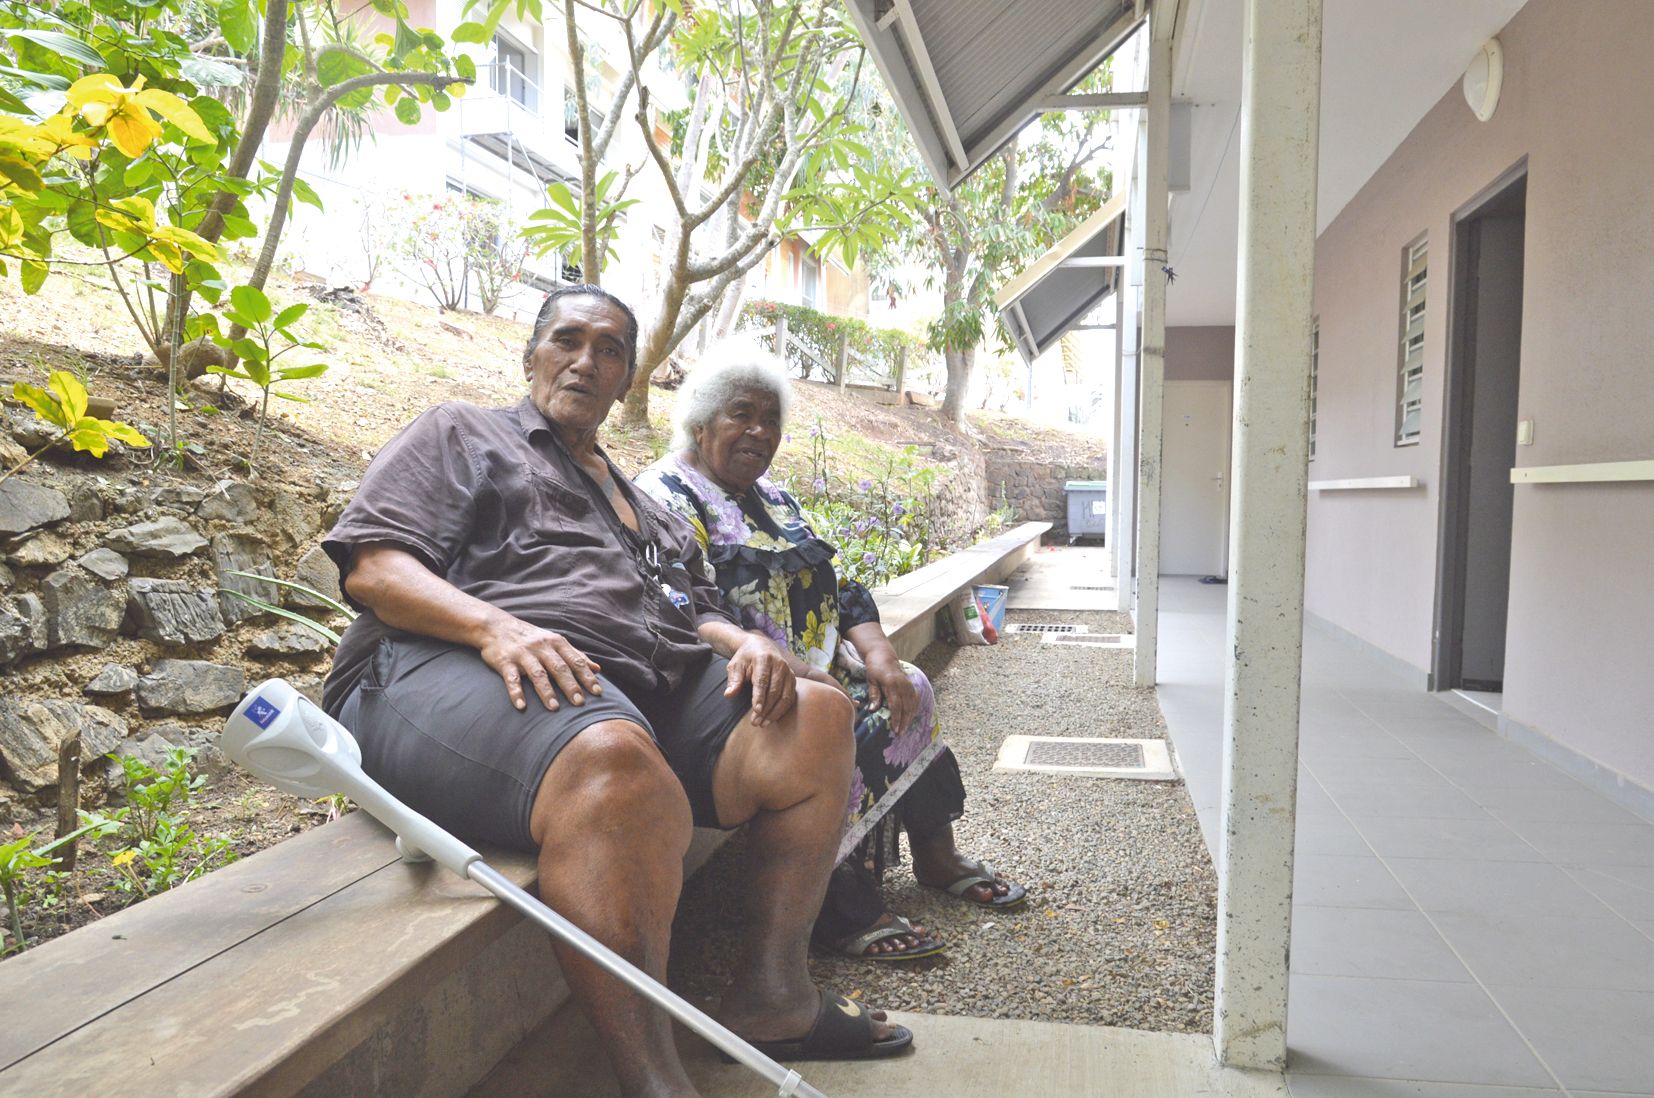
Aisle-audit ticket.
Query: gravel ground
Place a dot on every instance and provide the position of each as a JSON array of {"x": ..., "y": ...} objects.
[{"x": 1120, "y": 923}]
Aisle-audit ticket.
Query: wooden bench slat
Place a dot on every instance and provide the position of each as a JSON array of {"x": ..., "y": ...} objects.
[
  {"x": 74, "y": 979},
  {"x": 254, "y": 1007}
]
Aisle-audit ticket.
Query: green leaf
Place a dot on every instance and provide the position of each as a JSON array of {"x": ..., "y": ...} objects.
[
  {"x": 299, "y": 373},
  {"x": 271, "y": 608},
  {"x": 311, "y": 591},
  {"x": 296, "y": 399},
  {"x": 464, "y": 67},
  {"x": 12, "y": 104},
  {"x": 239, "y": 23},
  {"x": 407, "y": 111},
  {"x": 407, "y": 40},
  {"x": 251, "y": 302},
  {"x": 21, "y": 172},
  {"x": 139, "y": 172},
  {"x": 305, "y": 193},
  {"x": 51, "y": 81},
  {"x": 474, "y": 33},
  {"x": 33, "y": 276},
  {"x": 65, "y": 46},
  {"x": 206, "y": 72},
  {"x": 337, "y": 66},
  {"x": 290, "y": 314}
]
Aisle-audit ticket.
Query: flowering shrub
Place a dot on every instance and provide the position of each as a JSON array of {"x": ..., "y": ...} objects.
[
  {"x": 455, "y": 245},
  {"x": 883, "y": 525}
]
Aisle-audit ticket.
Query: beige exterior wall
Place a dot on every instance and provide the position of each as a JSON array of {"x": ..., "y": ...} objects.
[
  {"x": 1575, "y": 104},
  {"x": 1200, "y": 353}
]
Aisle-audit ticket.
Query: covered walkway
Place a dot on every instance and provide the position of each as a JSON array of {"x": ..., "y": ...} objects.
[{"x": 1463, "y": 912}]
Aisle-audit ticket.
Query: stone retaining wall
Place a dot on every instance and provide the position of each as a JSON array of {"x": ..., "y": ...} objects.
[
  {"x": 112, "y": 621},
  {"x": 1035, "y": 491}
]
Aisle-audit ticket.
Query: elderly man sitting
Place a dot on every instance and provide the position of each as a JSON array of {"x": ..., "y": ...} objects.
[{"x": 543, "y": 664}]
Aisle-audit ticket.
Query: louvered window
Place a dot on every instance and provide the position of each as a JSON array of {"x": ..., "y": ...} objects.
[{"x": 1410, "y": 380}]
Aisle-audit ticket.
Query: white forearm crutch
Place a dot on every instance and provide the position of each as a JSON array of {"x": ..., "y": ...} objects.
[{"x": 281, "y": 736}]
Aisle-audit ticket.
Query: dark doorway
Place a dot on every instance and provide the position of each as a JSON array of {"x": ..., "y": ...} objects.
[{"x": 1479, "y": 438}]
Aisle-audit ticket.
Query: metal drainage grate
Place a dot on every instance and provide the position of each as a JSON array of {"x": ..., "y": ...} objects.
[
  {"x": 1110, "y": 753},
  {"x": 1093, "y": 640},
  {"x": 1042, "y": 627},
  {"x": 1149, "y": 760},
  {"x": 1088, "y": 587}
]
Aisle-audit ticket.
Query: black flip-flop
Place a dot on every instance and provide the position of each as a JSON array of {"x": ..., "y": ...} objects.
[{"x": 843, "y": 1030}]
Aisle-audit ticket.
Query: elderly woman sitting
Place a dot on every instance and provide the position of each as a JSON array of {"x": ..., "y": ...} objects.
[{"x": 778, "y": 580}]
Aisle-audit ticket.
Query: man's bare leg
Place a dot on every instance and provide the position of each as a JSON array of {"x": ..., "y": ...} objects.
[
  {"x": 791, "y": 780},
  {"x": 613, "y": 824}
]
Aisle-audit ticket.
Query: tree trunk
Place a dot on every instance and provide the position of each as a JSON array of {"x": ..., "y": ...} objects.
[{"x": 960, "y": 366}]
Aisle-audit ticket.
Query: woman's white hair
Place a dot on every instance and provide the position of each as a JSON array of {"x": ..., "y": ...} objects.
[{"x": 729, "y": 367}]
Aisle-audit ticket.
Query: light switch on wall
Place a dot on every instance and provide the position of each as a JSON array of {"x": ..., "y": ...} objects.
[{"x": 1524, "y": 432}]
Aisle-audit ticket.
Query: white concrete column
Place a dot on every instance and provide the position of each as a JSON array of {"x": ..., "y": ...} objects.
[
  {"x": 1151, "y": 385},
  {"x": 1117, "y": 473},
  {"x": 1280, "y": 118},
  {"x": 1125, "y": 508}
]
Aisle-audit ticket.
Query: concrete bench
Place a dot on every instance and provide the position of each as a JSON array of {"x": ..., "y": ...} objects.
[{"x": 325, "y": 965}]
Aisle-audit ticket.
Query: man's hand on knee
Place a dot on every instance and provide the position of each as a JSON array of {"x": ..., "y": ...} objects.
[
  {"x": 774, "y": 689},
  {"x": 519, "y": 651}
]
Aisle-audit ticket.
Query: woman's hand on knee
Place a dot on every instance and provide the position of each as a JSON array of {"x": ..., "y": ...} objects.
[
  {"x": 774, "y": 687},
  {"x": 888, "y": 684}
]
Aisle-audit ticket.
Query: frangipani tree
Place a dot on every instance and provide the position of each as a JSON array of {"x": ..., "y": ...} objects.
[{"x": 768, "y": 147}]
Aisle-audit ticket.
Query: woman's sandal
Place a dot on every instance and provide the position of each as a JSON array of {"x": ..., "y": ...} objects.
[
  {"x": 984, "y": 875},
  {"x": 843, "y": 1030},
  {"x": 857, "y": 945}
]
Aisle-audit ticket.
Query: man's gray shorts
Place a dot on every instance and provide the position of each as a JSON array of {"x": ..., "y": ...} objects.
[{"x": 438, "y": 730}]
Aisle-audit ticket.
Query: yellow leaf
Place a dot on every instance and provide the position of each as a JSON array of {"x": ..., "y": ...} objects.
[
  {"x": 100, "y": 85},
  {"x": 123, "y": 857},
  {"x": 122, "y": 432},
  {"x": 168, "y": 255},
  {"x": 188, "y": 241},
  {"x": 59, "y": 128},
  {"x": 139, "y": 208},
  {"x": 133, "y": 130},
  {"x": 30, "y": 140},
  {"x": 44, "y": 404},
  {"x": 90, "y": 439},
  {"x": 1049, "y": 914},
  {"x": 11, "y": 227},
  {"x": 176, "y": 111},
  {"x": 70, "y": 393}
]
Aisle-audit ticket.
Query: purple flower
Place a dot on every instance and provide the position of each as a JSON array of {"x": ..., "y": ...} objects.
[
  {"x": 898, "y": 510},
  {"x": 819, "y": 485},
  {"x": 815, "y": 430},
  {"x": 865, "y": 485},
  {"x": 861, "y": 527},
  {"x": 868, "y": 558}
]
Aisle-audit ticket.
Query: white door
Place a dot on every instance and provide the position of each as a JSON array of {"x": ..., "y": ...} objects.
[{"x": 1194, "y": 482}]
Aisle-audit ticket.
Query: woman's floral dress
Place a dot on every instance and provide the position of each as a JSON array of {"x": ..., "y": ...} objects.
[{"x": 778, "y": 578}]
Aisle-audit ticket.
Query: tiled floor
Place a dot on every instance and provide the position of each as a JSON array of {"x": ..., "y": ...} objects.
[{"x": 1468, "y": 921}]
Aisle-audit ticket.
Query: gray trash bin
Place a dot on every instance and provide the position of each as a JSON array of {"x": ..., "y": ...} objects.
[{"x": 1087, "y": 509}]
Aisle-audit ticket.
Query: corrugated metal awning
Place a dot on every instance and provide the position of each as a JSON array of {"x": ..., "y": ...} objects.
[
  {"x": 1059, "y": 288},
  {"x": 967, "y": 74}
]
